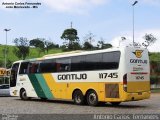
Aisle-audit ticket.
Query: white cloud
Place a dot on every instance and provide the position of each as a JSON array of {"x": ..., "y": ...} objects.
[
  {"x": 73, "y": 6},
  {"x": 139, "y": 39}
]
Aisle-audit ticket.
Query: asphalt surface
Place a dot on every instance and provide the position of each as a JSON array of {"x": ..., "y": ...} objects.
[{"x": 14, "y": 105}]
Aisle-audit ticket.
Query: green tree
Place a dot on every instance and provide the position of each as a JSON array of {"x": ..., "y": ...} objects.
[
  {"x": 102, "y": 45},
  {"x": 39, "y": 44},
  {"x": 87, "y": 46},
  {"x": 71, "y": 37},
  {"x": 49, "y": 45},
  {"x": 22, "y": 48},
  {"x": 89, "y": 39}
]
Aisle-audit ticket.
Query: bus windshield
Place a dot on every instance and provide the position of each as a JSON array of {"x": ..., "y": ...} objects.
[{"x": 14, "y": 71}]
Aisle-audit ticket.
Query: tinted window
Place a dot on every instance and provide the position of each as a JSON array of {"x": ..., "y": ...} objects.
[
  {"x": 14, "y": 71},
  {"x": 23, "y": 68},
  {"x": 7, "y": 80},
  {"x": 4, "y": 80},
  {"x": 63, "y": 64},
  {"x": 111, "y": 60},
  {"x": 100, "y": 61},
  {"x": 47, "y": 66},
  {"x": 78, "y": 63},
  {"x": 33, "y": 67},
  {"x": 93, "y": 62},
  {"x": 4, "y": 86}
]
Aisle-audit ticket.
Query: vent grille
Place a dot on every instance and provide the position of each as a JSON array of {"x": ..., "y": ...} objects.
[{"x": 112, "y": 90}]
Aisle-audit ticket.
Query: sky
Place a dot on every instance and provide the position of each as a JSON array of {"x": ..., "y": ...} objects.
[{"x": 106, "y": 19}]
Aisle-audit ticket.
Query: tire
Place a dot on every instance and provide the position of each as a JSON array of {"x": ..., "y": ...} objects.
[
  {"x": 23, "y": 94},
  {"x": 92, "y": 98},
  {"x": 78, "y": 97},
  {"x": 115, "y": 103}
]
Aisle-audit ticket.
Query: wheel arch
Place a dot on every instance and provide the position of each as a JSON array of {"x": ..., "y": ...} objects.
[{"x": 22, "y": 89}]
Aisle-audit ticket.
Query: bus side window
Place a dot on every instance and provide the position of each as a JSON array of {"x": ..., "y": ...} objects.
[
  {"x": 58, "y": 65},
  {"x": 47, "y": 66},
  {"x": 63, "y": 65},
  {"x": 78, "y": 63},
  {"x": 33, "y": 68},
  {"x": 111, "y": 60}
]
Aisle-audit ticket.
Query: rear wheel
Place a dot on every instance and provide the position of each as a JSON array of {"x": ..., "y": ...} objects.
[
  {"x": 115, "y": 103},
  {"x": 78, "y": 97},
  {"x": 23, "y": 94},
  {"x": 92, "y": 98}
]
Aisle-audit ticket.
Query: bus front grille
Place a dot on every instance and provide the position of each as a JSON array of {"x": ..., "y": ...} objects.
[{"x": 112, "y": 91}]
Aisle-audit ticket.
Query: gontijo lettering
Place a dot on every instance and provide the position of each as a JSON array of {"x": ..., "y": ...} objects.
[
  {"x": 72, "y": 77},
  {"x": 138, "y": 61}
]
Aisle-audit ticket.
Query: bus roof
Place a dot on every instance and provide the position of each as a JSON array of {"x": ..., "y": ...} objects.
[
  {"x": 77, "y": 53},
  {"x": 64, "y": 53}
]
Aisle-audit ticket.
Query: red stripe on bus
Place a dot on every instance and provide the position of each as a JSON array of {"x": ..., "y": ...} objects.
[{"x": 139, "y": 73}]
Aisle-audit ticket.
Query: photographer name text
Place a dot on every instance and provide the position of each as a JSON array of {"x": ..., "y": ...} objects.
[{"x": 21, "y": 4}]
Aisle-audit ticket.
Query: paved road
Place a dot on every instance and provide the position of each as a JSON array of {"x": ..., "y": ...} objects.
[{"x": 13, "y": 105}]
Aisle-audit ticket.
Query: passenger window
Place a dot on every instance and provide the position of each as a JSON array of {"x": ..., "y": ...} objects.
[
  {"x": 111, "y": 60},
  {"x": 78, "y": 63},
  {"x": 47, "y": 66},
  {"x": 63, "y": 65},
  {"x": 33, "y": 67},
  {"x": 93, "y": 62}
]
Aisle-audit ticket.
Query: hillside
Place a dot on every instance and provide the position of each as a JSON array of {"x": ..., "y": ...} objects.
[{"x": 33, "y": 54}]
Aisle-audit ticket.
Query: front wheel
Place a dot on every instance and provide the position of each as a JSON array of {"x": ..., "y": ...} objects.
[
  {"x": 92, "y": 98},
  {"x": 23, "y": 94}
]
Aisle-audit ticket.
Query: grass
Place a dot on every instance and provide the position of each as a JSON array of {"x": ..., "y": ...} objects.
[
  {"x": 33, "y": 53},
  {"x": 10, "y": 54}
]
